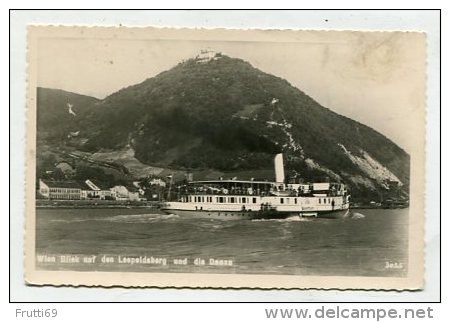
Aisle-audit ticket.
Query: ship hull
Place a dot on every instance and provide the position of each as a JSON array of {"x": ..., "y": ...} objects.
[{"x": 251, "y": 215}]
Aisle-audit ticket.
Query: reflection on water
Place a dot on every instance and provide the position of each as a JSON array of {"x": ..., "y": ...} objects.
[{"x": 360, "y": 245}]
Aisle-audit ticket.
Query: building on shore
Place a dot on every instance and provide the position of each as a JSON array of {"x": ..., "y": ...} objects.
[
  {"x": 93, "y": 190},
  {"x": 157, "y": 182},
  {"x": 60, "y": 190},
  {"x": 87, "y": 190},
  {"x": 125, "y": 193}
]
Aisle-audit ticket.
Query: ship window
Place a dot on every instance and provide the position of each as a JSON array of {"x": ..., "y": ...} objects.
[
  {"x": 282, "y": 200},
  {"x": 295, "y": 200},
  {"x": 232, "y": 199},
  {"x": 244, "y": 200},
  {"x": 254, "y": 200},
  {"x": 320, "y": 200},
  {"x": 221, "y": 199}
]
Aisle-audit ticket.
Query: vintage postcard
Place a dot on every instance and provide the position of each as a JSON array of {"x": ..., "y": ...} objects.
[{"x": 225, "y": 158}]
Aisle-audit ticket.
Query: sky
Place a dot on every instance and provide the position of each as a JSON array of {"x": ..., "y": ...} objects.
[{"x": 376, "y": 78}]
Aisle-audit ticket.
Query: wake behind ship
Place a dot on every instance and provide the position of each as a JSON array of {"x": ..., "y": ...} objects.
[{"x": 239, "y": 199}]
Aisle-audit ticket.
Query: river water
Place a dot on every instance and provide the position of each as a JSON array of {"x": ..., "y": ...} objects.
[{"x": 146, "y": 240}]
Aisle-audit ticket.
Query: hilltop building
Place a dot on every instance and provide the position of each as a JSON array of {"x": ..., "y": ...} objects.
[{"x": 207, "y": 55}]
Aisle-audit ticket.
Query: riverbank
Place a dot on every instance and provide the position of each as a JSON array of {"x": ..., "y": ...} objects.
[
  {"x": 379, "y": 206},
  {"x": 40, "y": 203}
]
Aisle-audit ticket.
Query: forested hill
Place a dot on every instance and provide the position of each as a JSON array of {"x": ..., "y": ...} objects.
[{"x": 222, "y": 114}]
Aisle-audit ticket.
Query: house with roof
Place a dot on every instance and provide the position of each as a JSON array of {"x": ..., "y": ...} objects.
[
  {"x": 157, "y": 182},
  {"x": 60, "y": 190},
  {"x": 91, "y": 190},
  {"x": 125, "y": 193}
]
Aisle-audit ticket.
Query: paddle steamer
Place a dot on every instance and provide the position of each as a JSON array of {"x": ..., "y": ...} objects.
[{"x": 239, "y": 199}]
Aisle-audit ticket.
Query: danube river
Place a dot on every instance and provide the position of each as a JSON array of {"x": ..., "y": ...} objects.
[{"x": 372, "y": 243}]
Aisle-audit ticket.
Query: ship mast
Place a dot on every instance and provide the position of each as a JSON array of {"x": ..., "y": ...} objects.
[{"x": 170, "y": 186}]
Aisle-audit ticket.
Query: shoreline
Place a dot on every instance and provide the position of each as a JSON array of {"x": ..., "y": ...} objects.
[
  {"x": 94, "y": 204},
  {"x": 96, "y": 207}
]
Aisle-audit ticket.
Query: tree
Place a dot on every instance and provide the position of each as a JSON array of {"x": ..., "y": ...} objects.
[{"x": 58, "y": 174}]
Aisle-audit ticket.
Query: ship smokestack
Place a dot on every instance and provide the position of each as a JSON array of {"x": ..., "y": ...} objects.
[{"x": 279, "y": 168}]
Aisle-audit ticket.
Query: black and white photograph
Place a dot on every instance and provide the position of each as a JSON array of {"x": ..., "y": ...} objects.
[{"x": 225, "y": 158}]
